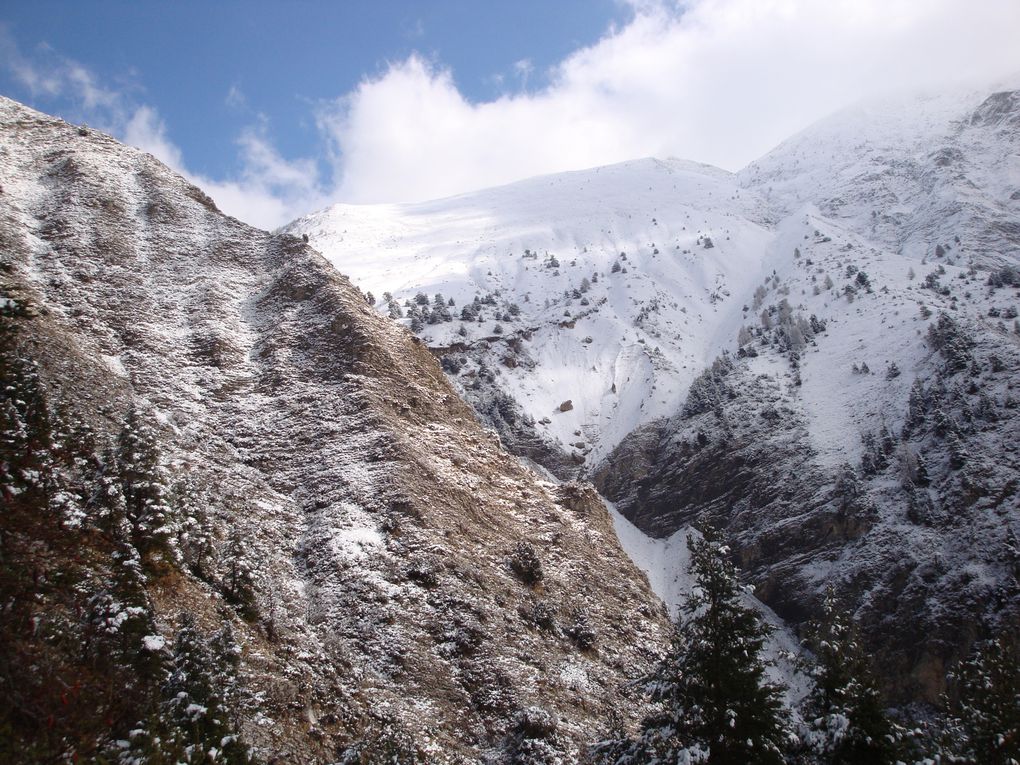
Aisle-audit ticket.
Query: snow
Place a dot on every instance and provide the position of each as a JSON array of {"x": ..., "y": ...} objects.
[
  {"x": 115, "y": 365},
  {"x": 664, "y": 561},
  {"x": 651, "y": 329}
]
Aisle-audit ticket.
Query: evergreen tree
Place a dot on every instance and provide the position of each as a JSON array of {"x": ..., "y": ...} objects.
[
  {"x": 195, "y": 693},
  {"x": 715, "y": 703},
  {"x": 847, "y": 723},
  {"x": 239, "y": 579},
  {"x": 984, "y": 727},
  {"x": 145, "y": 493}
]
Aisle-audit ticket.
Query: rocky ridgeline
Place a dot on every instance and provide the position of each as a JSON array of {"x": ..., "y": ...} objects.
[{"x": 238, "y": 486}]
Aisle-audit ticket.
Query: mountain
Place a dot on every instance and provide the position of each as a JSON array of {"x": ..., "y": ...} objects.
[
  {"x": 241, "y": 506},
  {"x": 602, "y": 272},
  {"x": 817, "y": 354}
]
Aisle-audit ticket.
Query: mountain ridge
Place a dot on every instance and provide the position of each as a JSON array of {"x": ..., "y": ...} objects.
[
  {"x": 748, "y": 348},
  {"x": 317, "y": 493}
]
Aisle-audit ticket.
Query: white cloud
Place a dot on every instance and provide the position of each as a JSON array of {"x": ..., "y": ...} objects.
[
  {"x": 147, "y": 131},
  {"x": 235, "y": 98},
  {"x": 524, "y": 69},
  {"x": 271, "y": 190},
  {"x": 720, "y": 81}
]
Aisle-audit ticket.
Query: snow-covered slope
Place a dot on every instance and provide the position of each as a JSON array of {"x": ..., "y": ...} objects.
[
  {"x": 934, "y": 177},
  {"x": 625, "y": 345},
  {"x": 765, "y": 383},
  {"x": 911, "y": 174}
]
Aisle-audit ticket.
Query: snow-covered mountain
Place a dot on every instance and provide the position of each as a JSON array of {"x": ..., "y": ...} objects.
[
  {"x": 818, "y": 354},
  {"x": 610, "y": 288},
  {"x": 691, "y": 243}
]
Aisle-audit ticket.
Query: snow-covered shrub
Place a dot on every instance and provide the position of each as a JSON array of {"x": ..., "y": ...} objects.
[{"x": 524, "y": 562}]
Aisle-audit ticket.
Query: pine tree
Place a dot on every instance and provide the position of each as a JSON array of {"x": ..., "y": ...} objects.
[
  {"x": 716, "y": 704},
  {"x": 239, "y": 578},
  {"x": 196, "y": 707},
  {"x": 145, "y": 493},
  {"x": 985, "y": 721},
  {"x": 847, "y": 723}
]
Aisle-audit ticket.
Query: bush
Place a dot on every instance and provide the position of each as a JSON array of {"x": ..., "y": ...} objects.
[{"x": 525, "y": 563}]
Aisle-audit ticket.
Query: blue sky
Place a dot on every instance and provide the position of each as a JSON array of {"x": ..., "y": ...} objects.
[
  {"x": 279, "y": 108},
  {"x": 211, "y": 67}
]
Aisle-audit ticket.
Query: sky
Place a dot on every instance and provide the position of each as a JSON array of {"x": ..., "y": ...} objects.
[{"x": 278, "y": 109}]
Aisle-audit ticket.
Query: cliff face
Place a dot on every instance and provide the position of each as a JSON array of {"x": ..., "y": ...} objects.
[{"x": 391, "y": 577}]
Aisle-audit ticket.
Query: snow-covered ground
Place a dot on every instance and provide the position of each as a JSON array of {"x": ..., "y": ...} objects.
[
  {"x": 687, "y": 240},
  {"x": 884, "y": 187},
  {"x": 665, "y": 562}
]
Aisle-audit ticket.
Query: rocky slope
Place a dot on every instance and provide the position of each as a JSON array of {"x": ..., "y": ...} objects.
[
  {"x": 228, "y": 436},
  {"x": 626, "y": 273},
  {"x": 862, "y": 432},
  {"x": 818, "y": 353}
]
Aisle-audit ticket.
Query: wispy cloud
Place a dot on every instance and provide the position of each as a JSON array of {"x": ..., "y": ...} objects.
[
  {"x": 269, "y": 190},
  {"x": 235, "y": 98}
]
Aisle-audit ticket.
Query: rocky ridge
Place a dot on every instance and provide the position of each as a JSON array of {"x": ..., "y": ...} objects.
[{"x": 393, "y": 578}]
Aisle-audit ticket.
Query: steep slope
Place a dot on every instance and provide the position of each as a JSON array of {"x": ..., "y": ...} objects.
[
  {"x": 864, "y": 432},
  {"x": 832, "y": 381},
  {"x": 934, "y": 177},
  {"x": 624, "y": 273},
  {"x": 231, "y": 437}
]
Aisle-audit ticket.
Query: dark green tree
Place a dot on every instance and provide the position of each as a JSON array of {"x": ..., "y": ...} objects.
[
  {"x": 196, "y": 697},
  {"x": 846, "y": 720},
  {"x": 715, "y": 703},
  {"x": 984, "y": 722},
  {"x": 145, "y": 493}
]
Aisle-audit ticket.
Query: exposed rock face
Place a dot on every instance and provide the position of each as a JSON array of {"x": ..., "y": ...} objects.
[
  {"x": 330, "y": 457},
  {"x": 917, "y": 533}
]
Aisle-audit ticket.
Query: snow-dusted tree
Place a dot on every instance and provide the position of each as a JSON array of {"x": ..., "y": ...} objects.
[
  {"x": 145, "y": 492},
  {"x": 984, "y": 726},
  {"x": 440, "y": 310},
  {"x": 196, "y": 702},
  {"x": 846, "y": 721},
  {"x": 715, "y": 703},
  {"x": 239, "y": 578}
]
